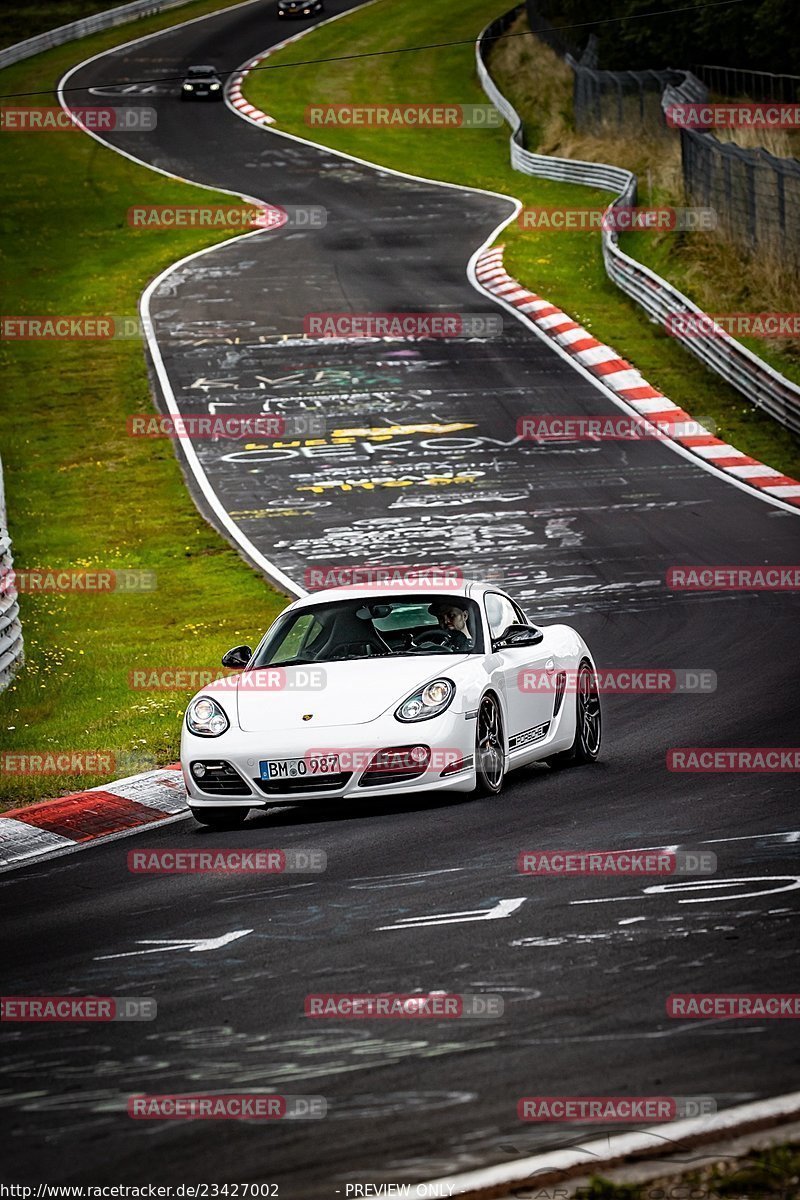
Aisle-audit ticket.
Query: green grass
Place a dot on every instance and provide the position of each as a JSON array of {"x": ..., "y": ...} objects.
[
  {"x": 566, "y": 267},
  {"x": 772, "y": 1174},
  {"x": 80, "y": 492}
]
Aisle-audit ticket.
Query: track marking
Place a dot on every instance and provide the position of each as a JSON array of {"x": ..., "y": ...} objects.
[
  {"x": 503, "y": 908},
  {"x": 193, "y": 945}
]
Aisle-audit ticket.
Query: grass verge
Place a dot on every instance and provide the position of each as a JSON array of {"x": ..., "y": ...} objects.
[
  {"x": 82, "y": 494},
  {"x": 567, "y": 267},
  {"x": 772, "y": 1174}
]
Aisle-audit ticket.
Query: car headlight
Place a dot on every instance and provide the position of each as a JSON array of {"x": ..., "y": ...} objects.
[
  {"x": 188, "y": 87},
  {"x": 428, "y": 702},
  {"x": 214, "y": 87},
  {"x": 205, "y": 718}
]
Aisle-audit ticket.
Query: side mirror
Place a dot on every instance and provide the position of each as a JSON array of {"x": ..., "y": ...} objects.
[
  {"x": 239, "y": 656},
  {"x": 517, "y": 636}
]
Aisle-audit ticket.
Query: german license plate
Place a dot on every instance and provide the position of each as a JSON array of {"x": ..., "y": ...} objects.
[{"x": 297, "y": 768}]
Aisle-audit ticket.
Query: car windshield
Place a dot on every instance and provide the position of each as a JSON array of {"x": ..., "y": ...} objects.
[
  {"x": 201, "y": 72},
  {"x": 374, "y": 627}
]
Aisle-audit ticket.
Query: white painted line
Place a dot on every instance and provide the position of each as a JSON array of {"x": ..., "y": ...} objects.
[
  {"x": 784, "y": 489},
  {"x": 163, "y": 790},
  {"x": 71, "y": 847},
  {"x": 193, "y": 945},
  {"x": 754, "y": 471},
  {"x": 20, "y": 841},
  {"x": 554, "y": 320},
  {"x": 503, "y": 908},
  {"x": 619, "y": 380},
  {"x": 571, "y": 335},
  {"x": 723, "y": 451},
  {"x": 598, "y": 354},
  {"x": 658, "y": 404},
  {"x": 653, "y": 1142}
]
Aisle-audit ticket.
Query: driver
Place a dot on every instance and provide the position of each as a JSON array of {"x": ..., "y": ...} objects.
[{"x": 453, "y": 619}]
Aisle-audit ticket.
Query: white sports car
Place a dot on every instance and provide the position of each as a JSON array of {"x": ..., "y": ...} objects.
[{"x": 356, "y": 692}]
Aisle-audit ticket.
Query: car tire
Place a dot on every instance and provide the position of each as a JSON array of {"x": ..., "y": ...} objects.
[
  {"x": 588, "y": 723},
  {"x": 490, "y": 751},
  {"x": 220, "y": 818}
]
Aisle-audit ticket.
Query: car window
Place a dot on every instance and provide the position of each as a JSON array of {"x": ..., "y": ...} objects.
[
  {"x": 298, "y": 634},
  {"x": 406, "y": 616},
  {"x": 369, "y": 627},
  {"x": 501, "y": 613}
]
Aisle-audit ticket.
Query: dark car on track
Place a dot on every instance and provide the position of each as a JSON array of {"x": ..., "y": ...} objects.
[
  {"x": 201, "y": 83},
  {"x": 300, "y": 8}
]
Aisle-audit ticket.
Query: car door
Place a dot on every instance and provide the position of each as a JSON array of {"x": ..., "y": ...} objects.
[{"x": 522, "y": 674}]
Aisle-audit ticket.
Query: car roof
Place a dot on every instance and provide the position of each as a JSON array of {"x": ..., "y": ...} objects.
[
  {"x": 205, "y": 68},
  {"x": 471, "y": 589}
]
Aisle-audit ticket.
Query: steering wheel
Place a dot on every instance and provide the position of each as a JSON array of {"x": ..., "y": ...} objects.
[{"x": 438, "y": 637}]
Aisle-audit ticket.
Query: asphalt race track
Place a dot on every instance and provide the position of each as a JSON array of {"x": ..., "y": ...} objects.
[{"x": 583, "y": 532}]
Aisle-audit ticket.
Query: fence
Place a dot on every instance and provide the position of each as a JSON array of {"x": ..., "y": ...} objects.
[
  {"x": 617, "y": 100},
  {"x": 83, "y": 27},
  {"x": 11, "y": 649},
  {"x": 762, "y": 386},
  {"x": 756, "y": 195},
  {"x": 738, "y": 83}
]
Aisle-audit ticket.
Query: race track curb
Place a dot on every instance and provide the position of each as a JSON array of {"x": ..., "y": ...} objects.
[
  {"x": 623, "y": 379},
  {"x": 532, "y": 1177},
  {"x": 60, "y": 826}
]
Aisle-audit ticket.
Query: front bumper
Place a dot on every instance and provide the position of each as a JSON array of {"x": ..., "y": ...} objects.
[
  {"x": 207, "y": 95},
  {"x": 450, "y": 736},
  {"x": 306, "y": 10}
]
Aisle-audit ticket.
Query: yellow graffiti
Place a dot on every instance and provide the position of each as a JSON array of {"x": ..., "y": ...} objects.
[
  {"x": 369, "y": 485},
  {"x": 380, "y": 433}
]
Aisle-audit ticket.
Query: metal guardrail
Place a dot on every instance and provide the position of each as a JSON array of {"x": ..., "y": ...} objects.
[
  {"x": 763, "y": 386},
  {"x": 83, "y": 27},
  {"x": 11, "y": 648}
]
